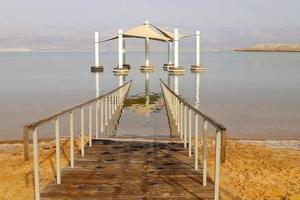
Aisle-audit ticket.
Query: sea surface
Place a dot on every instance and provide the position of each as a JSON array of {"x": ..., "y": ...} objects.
[{"x": 255, "y": 95}]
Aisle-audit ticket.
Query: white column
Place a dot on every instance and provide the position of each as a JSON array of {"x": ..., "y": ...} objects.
[
  {"x": 97, "y": 49},
  {"x": 169, "y": 53},
  {"x": 197, "y": 94},
  {"x": 146, "y": 51},
  {"x": 124, "y": 51},
  {"x": 197, "y": 48},
  {"x": 146, "y": 47},
  {"x": 120, "y": 40},
  {"x": 176, "y": 48}
]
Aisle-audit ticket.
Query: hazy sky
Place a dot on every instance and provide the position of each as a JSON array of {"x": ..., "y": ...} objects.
[{"x": 224, "y": 23}]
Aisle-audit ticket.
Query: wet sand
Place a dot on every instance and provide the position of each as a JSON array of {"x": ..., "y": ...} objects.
[{"x": 251, "y": 171}]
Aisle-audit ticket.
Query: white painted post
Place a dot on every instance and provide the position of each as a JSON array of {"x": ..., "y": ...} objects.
[
  {"x": 102, "y": 116},
  {"x": 113, "y": 104},
  {"x": 57, "y": 148},
  {"x": 190, "y": 133},
  {"x": 90, "y": 125},
  {"x": 120, "y": 40},
  {"x": 217, "y": 165},
  {"x": 147, "y": 48},
  {"x": 176, "y": 48},
  {"x": 181, "y": 120},
  {"x": 197, "y": 48},
  {"x": 97, "y": 49},
  {"x": 82, "y": 130},
  {"x": 196, "y": 141},
  {"x": 169, "y": 53},
  {"x": 109, "y": 107},
  {"x": 71, "y": 139},
  {"x": 204, "y": 153},
  {"x": 184, "y": 126},
  {"x": 124, "y": 51},
  {"x": 36, "y": 164},
  {"x": 106, "y": 110},
  {"x": 97, "y": 119}
]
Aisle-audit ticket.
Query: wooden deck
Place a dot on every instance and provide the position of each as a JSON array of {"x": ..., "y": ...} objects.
[{"x": 131, "y": 169}]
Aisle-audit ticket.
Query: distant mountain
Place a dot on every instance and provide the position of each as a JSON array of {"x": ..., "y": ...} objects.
[{"x": 272, "y": 48}]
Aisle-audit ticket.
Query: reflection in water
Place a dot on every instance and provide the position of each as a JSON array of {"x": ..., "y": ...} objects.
[
  {"x": 147, "y": 98},
  {"x": 169, "y": 80},
  {"x": 122, "y": 79},
  {"x": 145, "y": 103},
  {"x": 97, "y": 81},
  {"x": 197, "y": 88},
  {"x": 176, "y": 84}
]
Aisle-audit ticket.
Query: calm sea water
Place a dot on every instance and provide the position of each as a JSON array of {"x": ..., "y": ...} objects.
[{"x": 255, "y": 95}]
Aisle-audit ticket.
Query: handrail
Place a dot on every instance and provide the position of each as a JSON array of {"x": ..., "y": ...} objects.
[
  {"x": 213, "y": 122},
  {"x": 181, "y": 122},
  {"x": 49, "y": 118},
  {"x": 110, "y": 106}
]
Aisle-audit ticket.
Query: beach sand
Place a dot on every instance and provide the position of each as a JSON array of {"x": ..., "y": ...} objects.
[
  {"x": 251, "y": 171},
  {"x": 16, "y": 175}
]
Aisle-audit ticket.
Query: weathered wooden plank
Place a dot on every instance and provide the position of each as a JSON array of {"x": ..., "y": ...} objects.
[{"x": 131, "y": 170}]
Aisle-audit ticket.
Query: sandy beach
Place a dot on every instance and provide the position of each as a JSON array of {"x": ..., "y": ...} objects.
[{"x": 252, "y": 170}]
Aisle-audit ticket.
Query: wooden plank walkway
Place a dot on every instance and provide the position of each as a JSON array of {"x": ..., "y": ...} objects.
[{"x": 128, "y": 169}]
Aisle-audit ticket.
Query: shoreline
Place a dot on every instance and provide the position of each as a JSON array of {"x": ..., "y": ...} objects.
[
  {"x": 280, "y": 143},
  {"x": 251, "y": 171},
  {"x": 266, "y": 51}
]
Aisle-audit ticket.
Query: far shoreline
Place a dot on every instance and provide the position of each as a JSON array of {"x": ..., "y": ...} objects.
[{"x": 290, "y": 48}]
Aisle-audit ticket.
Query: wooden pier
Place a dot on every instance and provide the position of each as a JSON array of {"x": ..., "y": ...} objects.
[{"x": 131, "y": 169}]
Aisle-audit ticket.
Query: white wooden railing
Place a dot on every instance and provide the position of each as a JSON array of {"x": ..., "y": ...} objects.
[
  {"x": 184, "y": 122},
  {"x": 109, "y": 106}
]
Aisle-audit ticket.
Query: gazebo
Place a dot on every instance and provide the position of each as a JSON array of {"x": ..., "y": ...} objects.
[{"x": 148, "y": 32}]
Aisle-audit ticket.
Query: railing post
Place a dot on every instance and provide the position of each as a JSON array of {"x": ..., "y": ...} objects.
[
  {"x": 223, "y": 144},
  {"x": 109, "y": 107},
  {"x": 26, "y": 143},
  {"x": 57, "y": 147},
  {"x": 90, "y": 125},
  {"x": 196, "y": 141},
  {"x": 105, "y": 103},
  {"x": 102, "y": 115},
  {"x": 82, "y": 129},
  {"x": 181, "y": 120},
  {"x": 217, "y": 165},
  {"x": 112, "y": 105},
  {"x": 36, "y": 164},
  {"x": 190, "y": 132},
  {"x": 204, "y": 153},
  {"x": 184, "y": 126},
  {"x": 97, "y": 119},
  {"x": 71, "y": 140},
  {"x": 178, "y": 116}
]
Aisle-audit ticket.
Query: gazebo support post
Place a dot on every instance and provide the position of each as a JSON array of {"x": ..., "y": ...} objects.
[
  {"x": 169, "y": 64},
  {"x": 147, "y": 67},
  {"x": 176, "y": 69},
  {"x": 120, "y": 70},
  {"x": 198, "y": 67},
  {"x": 124, "y": 55},
  {"x": 97, "y": 67}
]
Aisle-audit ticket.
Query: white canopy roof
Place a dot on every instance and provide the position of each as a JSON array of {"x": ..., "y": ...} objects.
[{"x": 146, "y": 31}]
